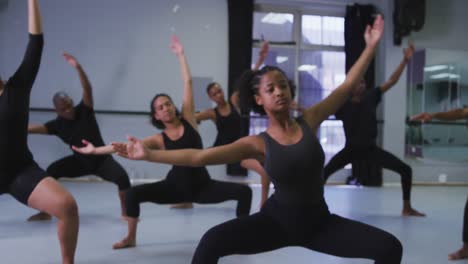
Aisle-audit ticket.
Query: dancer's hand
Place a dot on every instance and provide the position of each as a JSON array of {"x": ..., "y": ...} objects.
[
  {"x": 423, "y": 117},
  {"x": 120, "y": 148},
  {"x": 88, "y": 148},
  {"x": 373, "y": 34},
  {"x": 264, "y": 50},
  {"x": 71, "y": 60},
  {"x": 408, "y": 52},
  {"x": 135, "y": 150},
  {"x": 176, "y": 46}
]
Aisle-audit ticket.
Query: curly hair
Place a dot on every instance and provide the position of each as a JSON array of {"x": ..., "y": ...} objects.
[{"x": 248, "y": 83}]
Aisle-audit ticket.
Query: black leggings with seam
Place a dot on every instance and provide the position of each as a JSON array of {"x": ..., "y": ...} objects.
[
  {"x": 109, "y": 170},
  {"x": 376, "y": 155},
  {"x": 277, "y": 226},
  {"x": 170, "y": 191}
]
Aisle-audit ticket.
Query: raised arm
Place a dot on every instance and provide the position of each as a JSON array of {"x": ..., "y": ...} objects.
[
  {"x": 34, "y": 18},
  {"x": 87, "y": 88},
  {"x": 37, "y": 129},
  {"x": 451, "y": 115},
  {"x": 188, "y": 109},
  {"x": 244, "y": 148},
  {"x": 262, "y": 55},
  {"x": 407, "y": 54},
  {"x": 316, "y": 114},
  {"x": 26, "y": 73},
  {"x": 208, "y": 114}
]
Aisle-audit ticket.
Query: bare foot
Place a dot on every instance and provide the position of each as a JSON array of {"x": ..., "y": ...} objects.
[
  {"x": 459, "y": 254},
  {"x": 125, "y": 243},
  {"x": 182, "y": 206},
  {"x": 412, "y": 212},
  {"x": 41, "y": 216}
]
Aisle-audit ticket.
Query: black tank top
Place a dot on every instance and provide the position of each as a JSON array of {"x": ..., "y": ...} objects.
[
  {"x": 190, "y": 139},
  {"x": 296, "y": 170},
  {"x": 229, "y": 127}
]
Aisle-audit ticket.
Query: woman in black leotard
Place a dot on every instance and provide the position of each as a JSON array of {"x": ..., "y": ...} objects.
[
  {"x": 20, "y": 176},
  {"x": 71, "y": 125},
  {"x": 461, "y": 113},
  {"x": 227, "y": 118},
  {"x": 296, "y": 215},
  {"x": 182, "y": 184}
]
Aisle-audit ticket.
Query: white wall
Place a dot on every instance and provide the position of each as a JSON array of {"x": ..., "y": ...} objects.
[{"x": 124, "y": 47}]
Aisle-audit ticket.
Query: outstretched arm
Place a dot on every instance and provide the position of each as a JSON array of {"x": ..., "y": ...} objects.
[
  {"x": 451, "y": 115},
  {"x": 87, "y": 89},
  {"x": 151, "y": 142},
  {"x": 244, "y": 148},
  {"x": 319, "y": 112},
  {"x": 262, "y": 55},
  {"x": 37, "y": 129},
  {"x": 24, "y": 77},
  {"x": 188, "y": 109},
  {"x": 407, "y": 54},
  {"x": 207, "y": 114}
]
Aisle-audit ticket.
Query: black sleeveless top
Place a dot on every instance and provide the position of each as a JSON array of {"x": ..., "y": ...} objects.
[
  {"x": 296, "y": 170},
  {"x": 229, "y": 127},
  {"x": 190, "y": 139}
]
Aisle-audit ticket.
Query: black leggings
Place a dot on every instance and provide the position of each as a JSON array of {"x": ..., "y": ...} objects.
[
  {"x": 169, "y": 191},
  {"x": 109, "y": 170},
  {"x": 376, "y": 155},
  {"x": 276, "y": 227},
  {"x": 465, "y": 223}
]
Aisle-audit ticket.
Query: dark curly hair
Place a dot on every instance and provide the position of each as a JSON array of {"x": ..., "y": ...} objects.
[
  {"x": 247, "y": 85},
  {"x": 158, "y": 123},
  {"x": 211, "y": 85}
]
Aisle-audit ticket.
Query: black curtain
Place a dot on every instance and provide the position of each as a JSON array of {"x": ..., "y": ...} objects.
[
  {"x": 240, "y": 13},
  {"x": 356, "y": 20}
]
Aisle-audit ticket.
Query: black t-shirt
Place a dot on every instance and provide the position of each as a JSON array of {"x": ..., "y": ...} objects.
[
  {"x": 14, "y": 113},
  {"x": 360, "y": 119},
  {"x": 72, "y": 132}
]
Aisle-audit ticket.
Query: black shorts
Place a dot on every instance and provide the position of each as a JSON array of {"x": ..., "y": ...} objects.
[{"x": 25, "y": 181}]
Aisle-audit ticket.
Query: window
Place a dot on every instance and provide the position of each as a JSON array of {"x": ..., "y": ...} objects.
[{"x": 313, "y": 58}]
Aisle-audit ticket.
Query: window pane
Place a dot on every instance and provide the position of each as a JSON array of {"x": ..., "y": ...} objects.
[
  {"x": 324, "y": 30},
  {"x": 273, "y": 26},
  {"x": 333, "y": 31},
  {"x": 312, "y": 29},
  {"x": 320, "y": 72}
]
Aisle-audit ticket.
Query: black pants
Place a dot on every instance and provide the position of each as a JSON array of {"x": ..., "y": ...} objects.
[
  {"x": 465, "y": 223},
  {"x": 170, "y": 191},
  {"x": 109, "y": 170},
  {"x": 376, "y": 155},
  {"x": 277, "y": 226}
]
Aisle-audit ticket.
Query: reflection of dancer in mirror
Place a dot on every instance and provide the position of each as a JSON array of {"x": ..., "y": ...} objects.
[
  {"x": 360, "y": 125},
  {"x": 182, "y": 184},
  {"x": 296, "y": 214},
  {"x": 227, "y": 118},
  {"x": 71, "y": 125},
  {"x": 20, "y": 176},
  {"x": 461, "y": 113}
]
